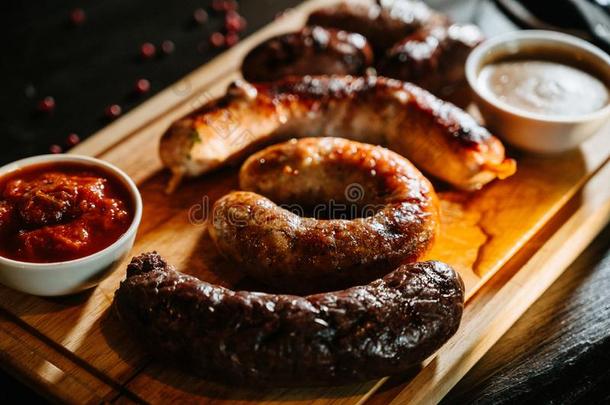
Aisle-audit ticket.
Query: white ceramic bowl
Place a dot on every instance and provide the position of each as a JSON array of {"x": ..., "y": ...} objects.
[
  {"x": 61, "y": 278},
  {"x": 527, "y": 130}
]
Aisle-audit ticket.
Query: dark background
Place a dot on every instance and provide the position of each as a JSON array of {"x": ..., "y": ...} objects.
[{"x": 86, "y": 68}]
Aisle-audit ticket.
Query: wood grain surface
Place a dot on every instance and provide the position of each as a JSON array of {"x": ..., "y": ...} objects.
[
  {"x": 558, "y": 350},
  {"x": 80, "y": 344},
  {"x": 505, "y": 298}
]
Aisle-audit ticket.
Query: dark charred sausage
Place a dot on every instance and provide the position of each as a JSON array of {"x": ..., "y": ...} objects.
[
  {"x": 241, "y": 337},
  {"x": 383, "y": 212},
  {"x": 313, "y": 50}
]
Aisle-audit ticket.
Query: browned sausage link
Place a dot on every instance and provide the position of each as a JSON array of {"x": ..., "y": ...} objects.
[
  {"x": 382, "y": 23},
  {"x": 412, "y": 42},
  {"x": 393, "y": 205},
  {"x": 432, "y": 58},
  {"x": 241, "y": 337},
  {"x": 438, "y": 137},
  {"x": 313, "y": 50}
]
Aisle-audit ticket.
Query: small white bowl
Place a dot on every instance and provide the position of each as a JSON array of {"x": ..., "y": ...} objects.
[
  {"x": 67, "y": 277},
  {"x": 527, "y": 130}
]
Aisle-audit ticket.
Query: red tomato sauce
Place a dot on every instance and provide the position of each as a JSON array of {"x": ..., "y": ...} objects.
[{"x": 61, "y": 211}]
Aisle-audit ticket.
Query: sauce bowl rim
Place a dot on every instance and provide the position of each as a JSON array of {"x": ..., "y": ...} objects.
[
  {"x": 85, "y": 160},
  {"x": 474, "y": 66}
]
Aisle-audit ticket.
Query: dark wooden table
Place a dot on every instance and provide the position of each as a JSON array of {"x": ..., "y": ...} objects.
[{"x": 559, "y": 352}]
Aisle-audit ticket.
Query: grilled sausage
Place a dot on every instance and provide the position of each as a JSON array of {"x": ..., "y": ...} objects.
[
  {"x": 438, "y": 137},
  {"x": 411, "y": 43},
  {"x": 432, "y": 58},
  {"x": 382, "y": 212},
  {"x": 241, "y": 337},
  {"x": 383, "y": 23},
  {"x": 313, "y": 50}
]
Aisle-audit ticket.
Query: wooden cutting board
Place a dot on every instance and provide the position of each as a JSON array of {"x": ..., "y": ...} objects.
[{"x": 524, "y": 230}]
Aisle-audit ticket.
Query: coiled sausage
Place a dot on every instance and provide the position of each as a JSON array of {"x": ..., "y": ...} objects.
[{"x": 383, "y": 212}]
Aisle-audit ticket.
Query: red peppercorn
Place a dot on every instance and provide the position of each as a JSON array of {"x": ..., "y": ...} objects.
[
  {"x": 217, "y": 39},
  {"x": 78, "y": 16},
  {"x": 167, "y": 47},
  {"x": 224, "y": 5},
  {"x": 55, "y": 149},
  {"x": 73, "y": 139},
  {"x": 230, "y": 5},
  {"x": 200, "y": 16},
  {"x": 47, "y": 104},
  {"x": 147, "y": 50},
  {"x": 231, "y": 39},
  {"x": 113, "y": 111},
  {"x": 234, "y": 22},
  {"x": 142, "y": 86}
]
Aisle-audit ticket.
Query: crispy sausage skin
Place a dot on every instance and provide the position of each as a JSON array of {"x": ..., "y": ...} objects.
[
  {"x": 411, "y": 42},
  {"x": 313, "y": 50},
  {"x": 383, "y": 23},
  {"x": 241, "y": 337},
  {"x": 438, "y": 137},
  {"x": 394, "y": 210},
  {"x": 432, "y": 58}
]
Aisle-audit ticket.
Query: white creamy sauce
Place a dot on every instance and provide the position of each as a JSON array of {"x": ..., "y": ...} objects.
[{"x": 544, "y": 87}]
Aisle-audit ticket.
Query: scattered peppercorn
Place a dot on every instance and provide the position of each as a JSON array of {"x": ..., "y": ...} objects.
[
  {"x": 200, "y": 16},
  {"x": 142, "y": 86},
  {"x": 234, "y": 22},
  {"x": 231, "y": 39},
  {"x": 113, "y": 111},
  {"x": 217, "y": 40},
  {"x": 77, "y": 16},
  {"x": 147, "y": 50},
  {"x": 73, "y": 139},
  {"x": 30, "y": 91},
  {"x": 224, "y": 5},
  {"x": 168, "y": 47},
  {"x": 230, "y": 5},
  {"x": 55, "y": 149},
  {"x": 47, "y": 104}
]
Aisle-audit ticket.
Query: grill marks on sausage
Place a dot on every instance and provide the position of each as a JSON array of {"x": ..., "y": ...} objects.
[
  {"x": 436, "y": 136},
  {"x": 313, "y": 50},
  {"x": 382, "y": 24},
  {"x": 411, "y": 42},
  {"x": 433, "y": 57}
]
